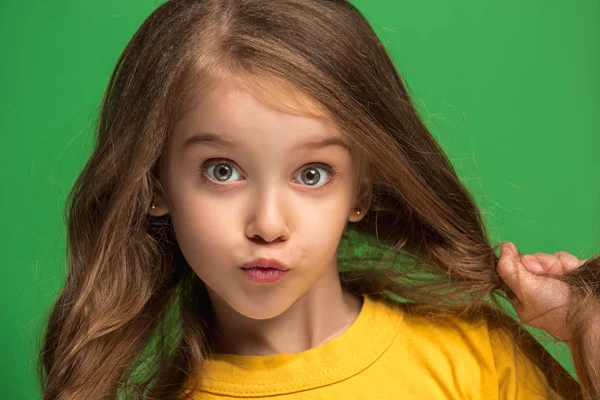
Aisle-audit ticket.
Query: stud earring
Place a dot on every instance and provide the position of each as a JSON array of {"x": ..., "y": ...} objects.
[
  {"x": 358, "y": 211},
  {"x": 153, "y": 206}
]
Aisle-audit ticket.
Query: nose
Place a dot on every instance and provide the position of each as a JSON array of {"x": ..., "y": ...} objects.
[{"x": 267, "y": 221}]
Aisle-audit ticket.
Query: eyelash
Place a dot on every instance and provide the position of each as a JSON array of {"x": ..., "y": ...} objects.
[{"x": 330, "y": 170}]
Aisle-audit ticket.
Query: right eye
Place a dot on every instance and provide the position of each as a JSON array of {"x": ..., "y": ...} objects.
[{"x": 218, "y": 172}]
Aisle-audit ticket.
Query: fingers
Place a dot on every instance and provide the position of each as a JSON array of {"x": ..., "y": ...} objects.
[
  {"x": 517, "y": 270},
  {"x": 542, "y": 262},
  {"x": 557, "y": 263},
  {"x": 569, "y": 261},
  {"x": 508, "y": 269}
]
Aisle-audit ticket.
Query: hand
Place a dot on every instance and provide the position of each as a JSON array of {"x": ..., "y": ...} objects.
[{"x": 541, "y": 301}]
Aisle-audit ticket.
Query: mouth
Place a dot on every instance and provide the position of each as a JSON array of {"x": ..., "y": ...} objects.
[
  {"x": 264, "y": 275},
  {"x": 265, "y": 270},
  {"x": 265, "y": 264}
]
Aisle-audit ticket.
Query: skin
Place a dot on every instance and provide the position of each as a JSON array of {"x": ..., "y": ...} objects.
[
  {"x": 537, "y": 295},
  {"x": 541, "y": 301},
  {"x": 264, "y": 206}
]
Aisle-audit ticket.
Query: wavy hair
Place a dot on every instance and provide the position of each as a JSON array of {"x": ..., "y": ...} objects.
[{"x": 133, "y": 319}]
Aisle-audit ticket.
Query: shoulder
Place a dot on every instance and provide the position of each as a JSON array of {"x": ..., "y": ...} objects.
[
  {"x": 448, "y": 342},
  {"x": 447, "y": 332},
  {"x": 468, "y": 356}
]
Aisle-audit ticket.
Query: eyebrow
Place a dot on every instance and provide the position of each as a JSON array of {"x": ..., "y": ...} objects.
[{"x": 212, "y": 139}]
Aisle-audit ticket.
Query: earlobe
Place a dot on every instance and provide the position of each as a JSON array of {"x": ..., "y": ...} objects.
[
  {"x": 158, "y": 208},
  {"x": 364, "y": 203},
  {"x": 356, "y": 215}
]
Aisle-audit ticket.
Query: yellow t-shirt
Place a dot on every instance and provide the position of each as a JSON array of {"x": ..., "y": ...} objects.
[{"x": 384, "y": 354}]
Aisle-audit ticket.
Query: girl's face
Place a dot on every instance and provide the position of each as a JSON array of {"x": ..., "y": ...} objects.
[{"x": 247, "y": 181}]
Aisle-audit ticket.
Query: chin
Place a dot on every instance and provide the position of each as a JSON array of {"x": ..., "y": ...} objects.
[
  {"x": 262, "y": 314},
  {"x": 260, "y": 305}
]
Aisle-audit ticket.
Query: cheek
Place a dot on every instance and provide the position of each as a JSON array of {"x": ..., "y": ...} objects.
[
  {"x": 205, "y": 234},
  {"x": 321, "y": 230}
]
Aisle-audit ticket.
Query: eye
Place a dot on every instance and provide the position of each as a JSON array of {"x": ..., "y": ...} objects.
[
  {"x": 311, "y": 175},
  {"x": 218, "y": 173},
  {"x": 222, "y": 171}
]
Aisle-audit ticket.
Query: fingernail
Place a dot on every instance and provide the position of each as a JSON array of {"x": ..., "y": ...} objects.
[{"x": 533, "y": 266}]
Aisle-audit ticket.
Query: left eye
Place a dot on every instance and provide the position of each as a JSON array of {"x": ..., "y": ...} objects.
[{"x": 311, "y": 175}]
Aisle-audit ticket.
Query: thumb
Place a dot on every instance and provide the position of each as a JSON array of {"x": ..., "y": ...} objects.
[{"x": 509, "y": 270}]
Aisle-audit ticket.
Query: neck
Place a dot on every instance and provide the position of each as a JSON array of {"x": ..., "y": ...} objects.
[{"x": 319, "y": 315}]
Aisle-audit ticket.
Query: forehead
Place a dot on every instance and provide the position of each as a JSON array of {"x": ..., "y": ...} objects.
[
  {"x": 274, "y": 93},
  {"x": 219, "y": 114},
  {"x": 225, "y": 112}
]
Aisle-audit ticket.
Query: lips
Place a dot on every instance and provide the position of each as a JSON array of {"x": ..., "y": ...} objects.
[{"x": 266, "y": 263}]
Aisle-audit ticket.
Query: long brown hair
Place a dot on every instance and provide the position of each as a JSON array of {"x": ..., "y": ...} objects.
[{"x": 133, "y": 319}]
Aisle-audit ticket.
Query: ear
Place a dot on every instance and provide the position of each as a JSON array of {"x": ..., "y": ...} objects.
[
  {"x": 365, "y": 195},
  {"x": 160, "y": 206},
  {"x": 159, "y": 201}
]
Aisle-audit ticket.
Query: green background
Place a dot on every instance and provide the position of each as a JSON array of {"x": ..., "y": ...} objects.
[{"x": 510, "y": 88}]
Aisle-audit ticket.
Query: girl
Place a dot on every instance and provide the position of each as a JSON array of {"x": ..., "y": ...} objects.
[{"x": 265, "y": 215}]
